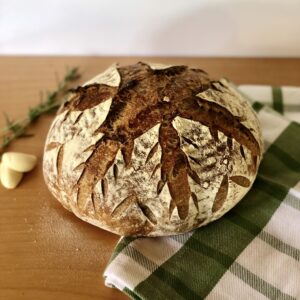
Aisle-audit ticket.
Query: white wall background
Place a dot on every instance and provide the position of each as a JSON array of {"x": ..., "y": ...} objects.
[{"x": 151, "y": 27}]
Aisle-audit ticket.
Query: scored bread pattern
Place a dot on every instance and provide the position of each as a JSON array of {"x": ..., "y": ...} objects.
[{"x": 152, "y": 150}]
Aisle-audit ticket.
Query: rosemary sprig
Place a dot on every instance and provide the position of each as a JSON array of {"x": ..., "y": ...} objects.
[{"x": 17, "y": 129}]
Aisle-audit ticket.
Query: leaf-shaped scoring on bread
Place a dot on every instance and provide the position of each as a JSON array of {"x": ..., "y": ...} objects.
[
  {"x": 221, "y": 194},
  {"x": 101, "y": 159},
  {"x": 89, "y": 96},
  {"x": 123, "y": 205},
  {"x": 116, "y": 172},
  {"x": 152, "y": 152},
  {"x": 59, "y": 163},
  {"x": 147, "y": 212},
  {"x": 104, "y": 188},
  {"x": 172, "y": 205},
  {"x": 241, "y": 180},
  {"x": 195, "y": 200}
]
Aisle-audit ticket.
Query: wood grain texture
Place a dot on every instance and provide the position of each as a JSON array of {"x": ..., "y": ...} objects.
[{"x": 45, "y": 251}]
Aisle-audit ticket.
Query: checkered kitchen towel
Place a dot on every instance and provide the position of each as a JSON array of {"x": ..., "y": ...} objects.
[{"x": 253, "y": 252}]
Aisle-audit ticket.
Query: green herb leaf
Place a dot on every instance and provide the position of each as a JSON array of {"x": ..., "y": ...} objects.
[{"x": 16, "y": 129}]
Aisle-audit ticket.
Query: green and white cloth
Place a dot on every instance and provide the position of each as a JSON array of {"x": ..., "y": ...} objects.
[{"x": 253, "y": 252}]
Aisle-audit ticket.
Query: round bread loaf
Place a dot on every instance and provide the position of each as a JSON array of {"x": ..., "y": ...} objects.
[{"x": 151, "y": 150}]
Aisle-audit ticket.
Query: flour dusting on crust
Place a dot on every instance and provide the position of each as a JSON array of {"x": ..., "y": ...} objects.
[{"x": 152, "y": 150}]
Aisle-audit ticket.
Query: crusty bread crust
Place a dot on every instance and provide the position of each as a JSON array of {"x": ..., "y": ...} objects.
[{"x": 150, "y": 150}]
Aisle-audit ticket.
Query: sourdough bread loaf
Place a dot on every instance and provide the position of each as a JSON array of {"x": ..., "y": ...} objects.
[{"x": 151, "y": 150}]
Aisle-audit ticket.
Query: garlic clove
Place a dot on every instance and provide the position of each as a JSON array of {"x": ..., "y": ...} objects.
[
  {"x": 9, "y": 178},
  {"x": 19, "y": 162}
]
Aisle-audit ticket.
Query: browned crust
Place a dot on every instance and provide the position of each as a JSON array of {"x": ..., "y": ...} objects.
[
  {"x": 88, "y": 96},
  {"x": 95, "y": 169},
  {"x": 174, "y": 169}
]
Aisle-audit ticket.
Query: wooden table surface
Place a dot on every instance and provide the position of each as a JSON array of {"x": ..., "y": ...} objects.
[{"x": 45, "y": 251}]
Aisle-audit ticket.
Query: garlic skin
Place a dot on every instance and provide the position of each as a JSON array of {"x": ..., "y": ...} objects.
[
  {"x": 9, "y": 178},
  {"x": 20, "y": 162}
]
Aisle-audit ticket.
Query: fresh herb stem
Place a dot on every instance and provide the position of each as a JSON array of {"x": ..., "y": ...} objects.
[{"x": 50, "y": 103}]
